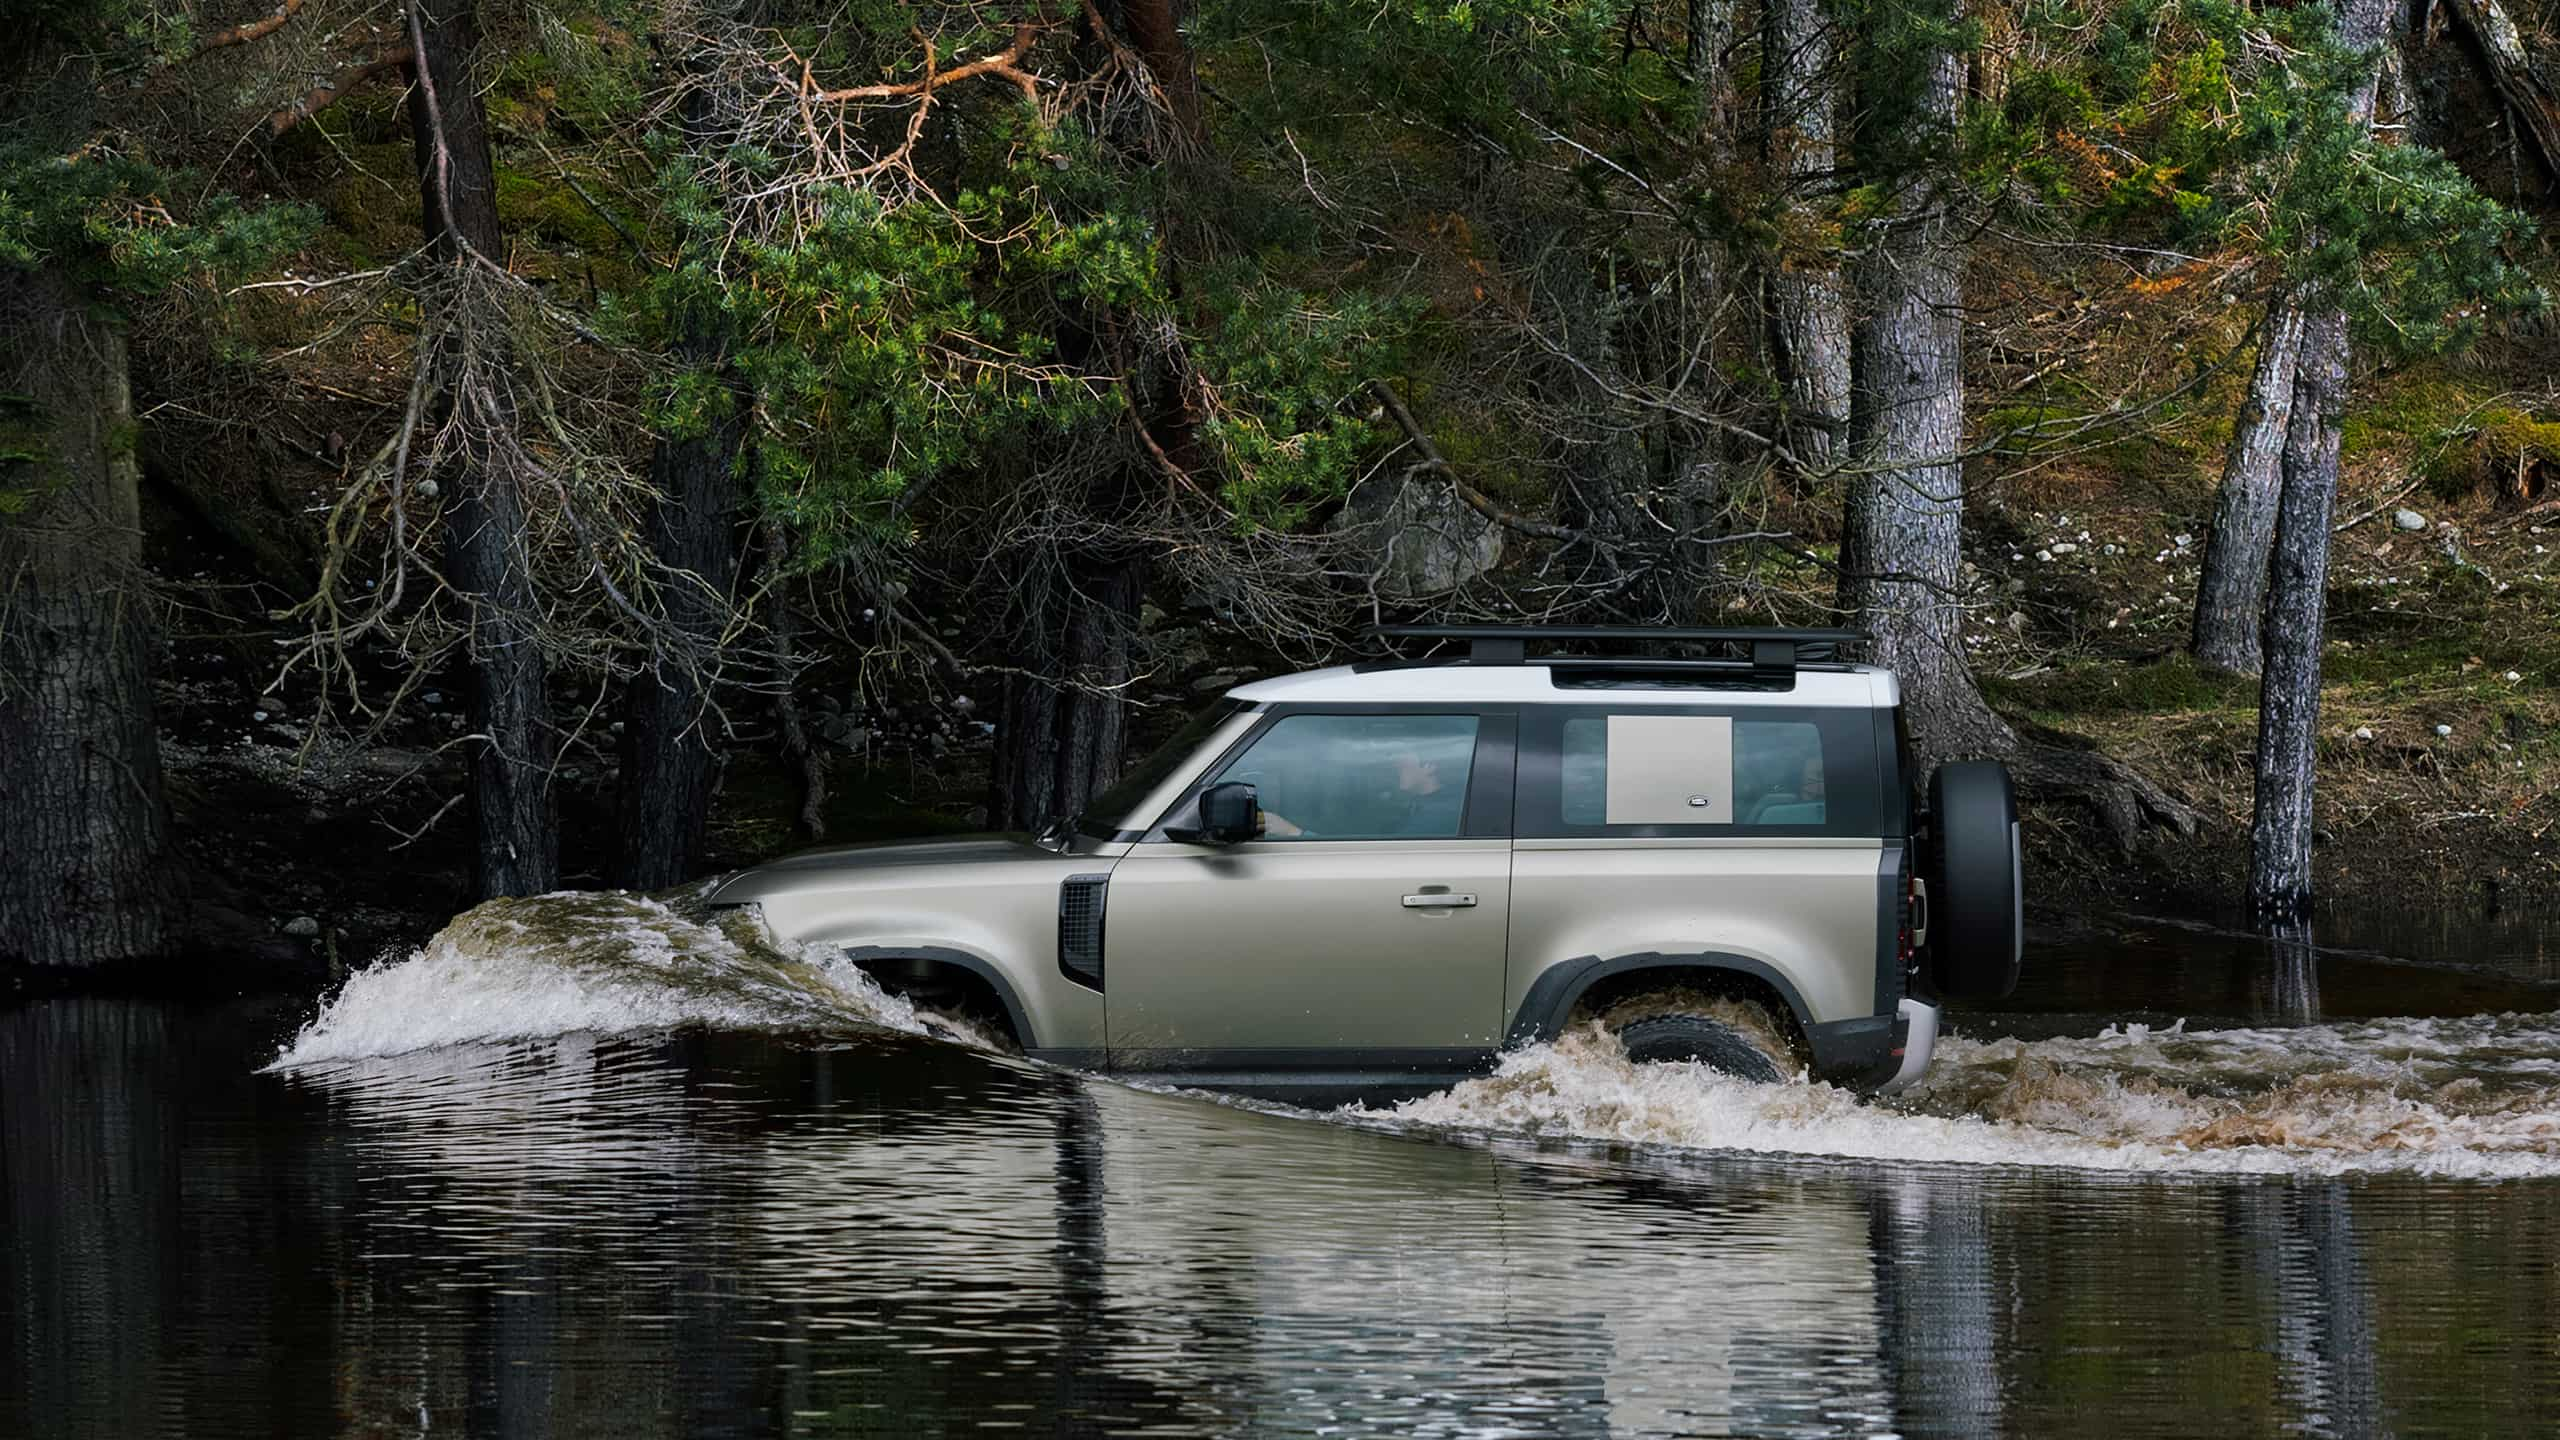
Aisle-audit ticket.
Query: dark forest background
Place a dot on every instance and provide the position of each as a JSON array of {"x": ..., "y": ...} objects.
[{"x": 479, "y": 447}]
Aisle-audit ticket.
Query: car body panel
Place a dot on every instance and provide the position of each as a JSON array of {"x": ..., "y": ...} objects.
[
  {"x": 1307, "y": 946},
  {"x": 1805, "y": 908},
  {"x": 991, "y": 898}
]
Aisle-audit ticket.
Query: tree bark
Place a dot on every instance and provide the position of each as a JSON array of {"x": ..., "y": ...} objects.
[
  {"x": 2298, "y": 574},
  {"x": 1061, "y": 741},
  {"x": 668, "y": 764},
  {"x": 85, "y": 870},
  {"x": 1153, "y": 28},
  {"x": 486, "y": 557},
  {"x": 1902, "y": 545},
  {"x": 1710, "y": 36},
  {"x": 1901, "y": 551},
  {"x": 2289, "y": 693},
  {"x": 2234, "y": 586},
  {"x": 1808, "y": 309},
  {"x": 2527, "y": 86}
]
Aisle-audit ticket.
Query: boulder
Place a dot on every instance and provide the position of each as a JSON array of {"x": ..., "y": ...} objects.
[{"x": 1419, "y": 537}]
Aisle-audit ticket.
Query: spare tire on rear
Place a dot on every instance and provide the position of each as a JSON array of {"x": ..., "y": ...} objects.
[{"x": 1976, "y": 891}]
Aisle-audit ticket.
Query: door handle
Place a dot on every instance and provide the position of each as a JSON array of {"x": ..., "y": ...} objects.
[{"x": 1438, "y": 900}]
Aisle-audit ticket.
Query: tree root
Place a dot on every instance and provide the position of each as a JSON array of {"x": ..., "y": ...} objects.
[{"x": 2125, "y": 800}]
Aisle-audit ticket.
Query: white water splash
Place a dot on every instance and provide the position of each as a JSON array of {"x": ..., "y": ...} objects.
[
  {"x": 2476, "y": 1097},
  {"x": 601, "y": 962}
]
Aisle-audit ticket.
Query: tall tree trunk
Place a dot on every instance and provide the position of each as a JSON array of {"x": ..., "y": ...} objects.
[
  {"x": 668, "y": 764},
  {"x": 2289, "y": 687},
  {"x": 1153, "y": 28},
  {"x": 1059, "y": 742},
  {"x": 485, "y": 540},
  {"x": 2298, "y": 575},
  {"x": 85, "y": 872},
  {"x": 1719, "y": 108},
  {"x": 1062, "y": 729},
  {"x": 1687, "y": 319},
  {"x": 1808, "y": 309},
  {"x": 2234, "y": 587},
  {"x": 1902, "y": 545},
  {"x": 1901, "y": 552}
]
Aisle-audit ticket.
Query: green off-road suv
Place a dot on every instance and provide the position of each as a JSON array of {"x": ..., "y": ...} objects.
[{"x": 1372, "y": 880}]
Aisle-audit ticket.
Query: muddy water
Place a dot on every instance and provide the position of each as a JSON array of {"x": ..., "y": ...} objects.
[{"x": 590, "y": 1168}]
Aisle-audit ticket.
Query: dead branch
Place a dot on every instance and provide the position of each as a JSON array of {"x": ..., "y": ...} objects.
[
  {"x": 1475, "y": 499},
  {"x": 328, "y": 92},
  {"x": 1005, "y": 64},
  {"x": 253, "y": 30}
]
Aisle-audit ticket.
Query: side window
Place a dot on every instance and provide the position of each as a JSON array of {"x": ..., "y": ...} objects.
[
  {"x": 1361, "y": 777},
  {"x": 1778, "y": 774},
  {"x": 1665, "y": 773}
]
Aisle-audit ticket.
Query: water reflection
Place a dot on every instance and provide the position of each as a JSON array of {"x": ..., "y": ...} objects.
[
  {"x": 2291, "y": 991},
  {"x": 731, "y": 1235}
]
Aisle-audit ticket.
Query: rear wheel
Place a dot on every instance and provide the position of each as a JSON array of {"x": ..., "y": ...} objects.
[{"x": 1710, "y": 1042}]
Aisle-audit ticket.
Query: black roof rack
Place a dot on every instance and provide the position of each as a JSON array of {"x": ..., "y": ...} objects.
[{"x": 1772, "y": 651}]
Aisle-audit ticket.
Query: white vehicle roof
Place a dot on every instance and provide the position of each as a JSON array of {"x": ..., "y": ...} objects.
[{"x": 1865, "y": 687}]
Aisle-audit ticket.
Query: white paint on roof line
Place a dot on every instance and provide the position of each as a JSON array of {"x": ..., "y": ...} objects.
[{"x": 1861, "y": 686}]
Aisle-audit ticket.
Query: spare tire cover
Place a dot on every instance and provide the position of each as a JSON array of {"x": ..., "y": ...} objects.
[{"x": 1976, "y": 904}]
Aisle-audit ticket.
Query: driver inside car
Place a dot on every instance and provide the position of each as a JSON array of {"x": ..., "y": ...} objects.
[{"x": 1406, "y": 798}]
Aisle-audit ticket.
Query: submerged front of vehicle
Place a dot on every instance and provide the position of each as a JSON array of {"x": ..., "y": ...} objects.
[
  {"x": 946, "y": 924},
  {"x": 1003, "y": 929}
]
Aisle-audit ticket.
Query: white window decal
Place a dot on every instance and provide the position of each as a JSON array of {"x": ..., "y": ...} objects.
[{"x": 1670, "y": 770}]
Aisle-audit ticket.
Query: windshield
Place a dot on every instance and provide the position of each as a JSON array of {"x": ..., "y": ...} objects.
[{"x": 1102, "y": 815}]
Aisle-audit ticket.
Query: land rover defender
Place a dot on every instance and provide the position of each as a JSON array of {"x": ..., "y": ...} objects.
[{"x": 1372, "y": 880}]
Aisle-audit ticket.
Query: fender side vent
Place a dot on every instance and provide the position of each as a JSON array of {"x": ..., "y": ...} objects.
[{"x": 1080, "y": 928}]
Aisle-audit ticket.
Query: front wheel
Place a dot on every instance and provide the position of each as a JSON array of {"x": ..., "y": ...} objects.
[{"x": 1719, "y": 1046}]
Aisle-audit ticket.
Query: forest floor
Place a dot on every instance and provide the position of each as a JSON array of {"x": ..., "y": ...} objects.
[{"x": 2439, "y": 735}]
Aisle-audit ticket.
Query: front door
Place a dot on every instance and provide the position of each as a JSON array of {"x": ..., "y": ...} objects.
[{"x": 1365, "y": 930}]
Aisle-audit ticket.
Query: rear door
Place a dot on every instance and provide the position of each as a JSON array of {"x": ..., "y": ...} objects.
[
  {"x": 1750, "y": 832},
  {"x": 1367, "y": 928}
]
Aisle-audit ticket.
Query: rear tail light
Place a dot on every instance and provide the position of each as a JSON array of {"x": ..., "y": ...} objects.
[{"x": 1906, "y": 941}]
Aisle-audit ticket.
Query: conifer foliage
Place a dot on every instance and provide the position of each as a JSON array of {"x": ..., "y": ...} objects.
[{"x": 698, "y": 366}]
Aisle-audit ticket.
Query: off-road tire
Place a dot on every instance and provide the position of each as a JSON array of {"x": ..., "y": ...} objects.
[
  {"x": 1712, "y": 1043},
  {"x": 1976, "y": 918}
]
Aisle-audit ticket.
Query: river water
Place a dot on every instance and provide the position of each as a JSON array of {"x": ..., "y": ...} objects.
[{"x": 584, "y": 1166}]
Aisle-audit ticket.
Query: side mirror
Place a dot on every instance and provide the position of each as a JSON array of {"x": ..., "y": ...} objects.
[{"x": 1230, "y": 813}]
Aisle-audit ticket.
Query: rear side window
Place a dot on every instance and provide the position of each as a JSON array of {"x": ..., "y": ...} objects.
[{"x": 1691, "y": 772}]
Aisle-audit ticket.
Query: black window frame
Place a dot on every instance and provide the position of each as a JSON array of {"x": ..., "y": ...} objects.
[
  {"x": 1490, "y": 801},
  {"x": 1853, "y": 801}
]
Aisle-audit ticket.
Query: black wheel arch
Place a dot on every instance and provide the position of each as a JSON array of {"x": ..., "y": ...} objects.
[
  {"x": 1564, "y": 987},
  {"x": 972, "y": 974},
  {"x": 1861, "y": 1052}
]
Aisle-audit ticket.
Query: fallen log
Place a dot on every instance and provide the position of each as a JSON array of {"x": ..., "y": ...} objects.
[{"x": 2529, "y": 90}]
